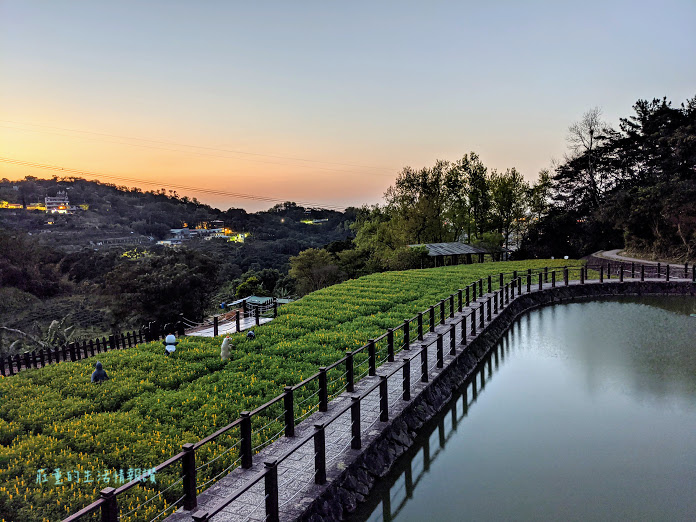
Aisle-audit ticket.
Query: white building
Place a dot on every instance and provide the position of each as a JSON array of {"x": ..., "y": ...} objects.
[{"x": 58, "y": 204}]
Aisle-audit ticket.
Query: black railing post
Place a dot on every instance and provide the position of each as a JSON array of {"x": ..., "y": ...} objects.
[
  {"x": 553, "y": 279},
  {"x": 390, "y": 345},
  {"x": 480, "y": 287},
  {"x": 271, "y": 487},
  {"x": 659, "y": 271},
  {"x": 582, "y": 275},
  {"x": 431, "y": 313},
  {"x": 451, "y": 300},
  {"x": 467, "y": 296},
  {"x": 323, "y": 390},
  {"x": 473, "y": 295},
  {"x": 519, "y": 286},
  {"x": 642, "y": 272},
  {"x": 608, "y": 270},
  {"x": 440, "y": 352},
  {"x": 350, "y": 375},
  {"x": 109, "y": 508},
  {"x": 473, "y": 322},
  {"x": 407, "y": 339},
  {"x": 372, "y": 358},
  {"x": 237, "y": 321},
  {"x": 215, "y": 326},
  {"x": 541, "y": 280},
  {"x": 289, "y": 406},
  {"x": 459, "y": 297},
  {"x": 495, "y": 303},
  {"x": 482, "y": 308},
  {"x": 529, "y": 283},
  {"x": 490, "y": 284},
  {"x": 693, "y": 273},
  {"x": 601, "y": 273},
  {"x": 383, "y": 399},
  {"x": 442, "y": 312},
  {"x": 420, "y": 326},
  {"x": 355, "y": 442},
  {"x": 667, "y": 272},
  {"x": 621, "y": 274},
  {"x": 407, "y": 379},
  {"x": 245, "y": 435},
  {"x": 546, "y": 274},
  {"x": 453, "y": 335},
  {"x": 633, "y": 270},
  {"x": 488, "y": 312},
  {"x": 686, "y": 270},
  {"x": 319, "y": 454},
  {"x": 424, "y": 362},
  {"x": 188, "y": 472},
  {"x": 565, "y": 275},
  {"x": 257, "y": 316},
  {"x": 501, "y": 280},
  {"x": 463, "y": 323}
]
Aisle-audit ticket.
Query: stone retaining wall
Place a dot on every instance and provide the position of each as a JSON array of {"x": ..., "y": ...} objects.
[{"x": 355, "y": 483}]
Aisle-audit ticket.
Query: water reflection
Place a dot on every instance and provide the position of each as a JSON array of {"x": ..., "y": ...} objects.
[
  {"x": 591, "y": 416},
  {"x": 391, "y": 495}
]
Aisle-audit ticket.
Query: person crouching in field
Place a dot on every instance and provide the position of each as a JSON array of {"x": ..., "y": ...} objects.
[{"x": 99, "y": 374}]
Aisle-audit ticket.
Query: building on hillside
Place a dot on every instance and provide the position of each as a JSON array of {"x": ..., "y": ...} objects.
[
  {"x": 58, "y": 204},
  {"x": 457, "y": 252}
]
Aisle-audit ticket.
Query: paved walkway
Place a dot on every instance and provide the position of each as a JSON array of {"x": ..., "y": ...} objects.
[
  {"x": 227, "y": 327},
  {"x": 296, "y": 473},
  {"x": 613, "y": 255}
]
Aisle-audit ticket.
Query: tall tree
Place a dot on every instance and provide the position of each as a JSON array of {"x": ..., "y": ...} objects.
[
  {"x": 478, "y": 191},
  {"x": 508, "y": 196}
]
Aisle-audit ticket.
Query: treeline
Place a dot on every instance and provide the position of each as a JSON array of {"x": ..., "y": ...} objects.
[
  {"x": 634, "y": 187},
  {"x": 450, "y": 201}
]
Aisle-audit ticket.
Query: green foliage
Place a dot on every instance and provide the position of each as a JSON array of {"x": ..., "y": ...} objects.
[
  {"x": 633, "y": 187},
  {"x": 54, "y": 417},
  {"x": 313, "y": 269}
]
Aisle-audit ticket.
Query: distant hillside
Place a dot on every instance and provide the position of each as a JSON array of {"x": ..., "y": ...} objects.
[{"x": 97, "y": 262}]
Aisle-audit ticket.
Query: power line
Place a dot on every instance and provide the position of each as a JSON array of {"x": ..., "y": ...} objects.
[
  {"x": 232, "y": 151},
  {"x": 215, "y": 192}
]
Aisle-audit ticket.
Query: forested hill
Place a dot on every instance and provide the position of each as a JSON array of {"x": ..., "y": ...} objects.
[
  {"x": 114, "y": 210},
  {"x": 98, "y": 262}
]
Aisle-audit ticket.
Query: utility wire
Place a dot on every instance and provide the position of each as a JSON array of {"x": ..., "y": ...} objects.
[
  {"x": 189, "y": 146},
  {"x": 215, "y": 192}
]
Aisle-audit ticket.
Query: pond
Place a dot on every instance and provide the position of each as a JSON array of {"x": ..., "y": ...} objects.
[{"x": 584, "y": 411}]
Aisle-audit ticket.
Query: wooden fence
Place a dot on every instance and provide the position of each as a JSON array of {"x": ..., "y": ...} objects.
[{"x": 13, "y": 364}]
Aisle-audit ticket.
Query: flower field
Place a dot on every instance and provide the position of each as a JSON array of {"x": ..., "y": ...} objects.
[{"x": 53, "y": 418}]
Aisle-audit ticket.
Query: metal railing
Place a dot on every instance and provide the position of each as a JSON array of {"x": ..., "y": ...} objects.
[{"x": 469, "y": 309}]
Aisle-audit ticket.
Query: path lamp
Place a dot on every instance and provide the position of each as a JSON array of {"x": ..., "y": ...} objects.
[{"x": 170, "y": 343}]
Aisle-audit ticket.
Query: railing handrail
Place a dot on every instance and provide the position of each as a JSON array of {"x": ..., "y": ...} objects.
[{"x": 472, "y": 310}]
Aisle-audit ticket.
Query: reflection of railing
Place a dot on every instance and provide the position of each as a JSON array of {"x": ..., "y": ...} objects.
[
  {"x": 473, "y": 309},
  {"x": 396, "y": 495}
]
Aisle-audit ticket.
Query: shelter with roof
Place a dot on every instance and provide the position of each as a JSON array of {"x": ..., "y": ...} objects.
[{"x": 458, "y": 252}]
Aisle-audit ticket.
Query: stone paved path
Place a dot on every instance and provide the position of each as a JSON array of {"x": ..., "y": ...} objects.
[
  {"x": 296, "y": 473},
  {"x": 229, "y": 326}
]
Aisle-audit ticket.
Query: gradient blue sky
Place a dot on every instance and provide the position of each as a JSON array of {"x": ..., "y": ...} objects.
[{"x": 322, "y": 101}]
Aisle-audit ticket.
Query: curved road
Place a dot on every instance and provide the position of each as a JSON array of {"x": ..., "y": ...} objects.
[{"x": 613, "y": 255}]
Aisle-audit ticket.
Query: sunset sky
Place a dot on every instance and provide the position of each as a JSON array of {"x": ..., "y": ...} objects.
[{"x": 320, "y": 102}]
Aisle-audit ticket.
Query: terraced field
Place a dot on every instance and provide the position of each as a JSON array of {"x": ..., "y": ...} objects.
[{"x": 53, "y": 418}]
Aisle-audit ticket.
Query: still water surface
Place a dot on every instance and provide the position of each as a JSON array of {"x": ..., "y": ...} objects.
[{"x": 585, "y": 411}]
